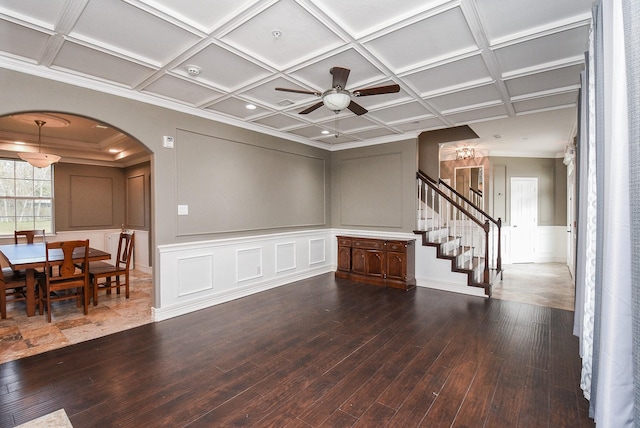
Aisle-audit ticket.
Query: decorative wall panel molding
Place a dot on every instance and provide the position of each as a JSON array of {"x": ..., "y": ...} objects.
[
  {"x": 290, "y": 192},
  {"x": 91, "y": 200},
  {"x": 135, "y": 201},
  {"x": 195, "y": 274},
  {"x": 249, "y": 264},
  {"x": 317, "y": 251},
  {"x": 285, "y": 256}
]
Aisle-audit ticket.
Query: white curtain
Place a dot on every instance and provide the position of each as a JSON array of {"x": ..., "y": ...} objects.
[
  {"x": 631, "y": 16},
  {"x": 588, "y": 206},
  {"x": 603, "y": 303}
]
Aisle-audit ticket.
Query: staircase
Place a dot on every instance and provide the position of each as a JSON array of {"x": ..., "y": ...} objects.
[{"x": 460, "y": 231}]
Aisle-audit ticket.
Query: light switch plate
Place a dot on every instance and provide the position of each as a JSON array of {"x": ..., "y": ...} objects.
[
  {"x": 167, "y": 142},
  {"x": 183, "y": 209}
]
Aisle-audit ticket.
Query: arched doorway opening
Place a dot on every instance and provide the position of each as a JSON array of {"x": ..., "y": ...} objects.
[{"x": 101, "y": 184}]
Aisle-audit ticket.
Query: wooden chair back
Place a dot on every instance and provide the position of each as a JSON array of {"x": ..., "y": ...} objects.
[
  {"x": 107, "y": 271},
  {"x": 64, "y": 274},
  {"x": 28, "y": 235},
  {"x": 125, "y": 250}
]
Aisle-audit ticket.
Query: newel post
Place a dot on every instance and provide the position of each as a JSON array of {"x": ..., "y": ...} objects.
[
  {"x": 487, "y": 228},
  {"x": 499, "y": 261}
]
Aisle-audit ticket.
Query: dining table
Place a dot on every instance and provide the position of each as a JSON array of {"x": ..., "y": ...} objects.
[{"x": 29, "y": 257}]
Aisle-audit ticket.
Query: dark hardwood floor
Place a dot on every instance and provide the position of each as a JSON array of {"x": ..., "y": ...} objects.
[{"x": 319, "y": 352}]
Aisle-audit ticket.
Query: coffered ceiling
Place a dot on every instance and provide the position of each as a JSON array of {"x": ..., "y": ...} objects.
[{"x": 509, "y": 69}]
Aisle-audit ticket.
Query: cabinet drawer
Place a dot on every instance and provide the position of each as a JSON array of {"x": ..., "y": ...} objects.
[
  {"x": 396, "y": 245},
  {"x": 344, "y": 242},
  {"x": 368, "y": 243}
]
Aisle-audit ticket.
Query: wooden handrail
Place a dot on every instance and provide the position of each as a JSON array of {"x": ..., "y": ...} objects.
[
  {"x": 491, "y": 219},
  {"x": 431, "y": 183},
  {"x": 477, "y": 192}
]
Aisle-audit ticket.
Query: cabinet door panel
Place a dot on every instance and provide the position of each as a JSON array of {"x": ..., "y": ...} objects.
[
  {"x": 344, "y": 258},
  {"x": 375, "y": 263},
  {"x": 396, "y": 265},
  {"x": 358, "y": 261}
]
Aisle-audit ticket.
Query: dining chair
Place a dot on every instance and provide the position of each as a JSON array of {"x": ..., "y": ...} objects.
[
  {"x": 28, "y": 235},
  {"x": 67, "y": 281},
  {"x": 12, "y": 288},
  {"x": 107, "y": 271}
]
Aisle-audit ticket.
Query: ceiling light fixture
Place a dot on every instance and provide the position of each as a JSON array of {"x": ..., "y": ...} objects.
[
  {"x": 250, "y": 107},
  {"x": 336, "y": 99},
  {"x": 39, "y": 159},
  {"x": 464, "y": 153}
]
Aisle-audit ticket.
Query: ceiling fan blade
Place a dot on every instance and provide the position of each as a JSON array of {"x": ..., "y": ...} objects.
[
  {"x": 340, "y": 76},
  {"x": 299, "y": 91},
  {"x": 357, "y": 108},
  {"x": 312, "y": 108},
  {"x": 377, "y": 90}
]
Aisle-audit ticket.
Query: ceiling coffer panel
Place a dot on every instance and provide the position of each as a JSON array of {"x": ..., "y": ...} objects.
[{"x": 454, "y": 62}]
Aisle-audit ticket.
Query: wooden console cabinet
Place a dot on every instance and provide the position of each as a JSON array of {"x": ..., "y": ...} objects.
[{"x": 377, "y": 261}]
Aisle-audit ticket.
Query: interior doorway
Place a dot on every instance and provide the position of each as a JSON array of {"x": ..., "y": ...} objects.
[{"x": 524, "y": 218}]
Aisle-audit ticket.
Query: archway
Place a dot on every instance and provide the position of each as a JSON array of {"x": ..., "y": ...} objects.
[{"x": 92, "y": 151}]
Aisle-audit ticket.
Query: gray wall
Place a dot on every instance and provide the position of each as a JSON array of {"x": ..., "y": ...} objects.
[
  {"x": 234, "y": 186},
  {"x": 88, "y": 197},
  {"x": 374, "y": 187},
  {"x": 552, "y": 186}
]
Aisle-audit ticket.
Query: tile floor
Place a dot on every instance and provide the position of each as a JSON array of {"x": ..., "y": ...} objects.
[
  {"x": 543, "y": 284},
  {"x": 547, "y": 284},
  {"x": 21, "y": 336}
]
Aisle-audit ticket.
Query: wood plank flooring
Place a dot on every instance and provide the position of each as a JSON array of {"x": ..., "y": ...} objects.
[{"x": 317, "y": 353}]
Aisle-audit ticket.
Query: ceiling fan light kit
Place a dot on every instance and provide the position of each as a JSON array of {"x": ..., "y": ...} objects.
[{"x": 337, "y": 98}]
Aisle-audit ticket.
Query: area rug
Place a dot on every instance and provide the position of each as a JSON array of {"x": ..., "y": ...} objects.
[{"x": 57, "y": 419}]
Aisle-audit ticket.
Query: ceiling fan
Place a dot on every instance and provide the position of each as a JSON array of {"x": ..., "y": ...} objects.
[{"x": 338, "y": 98}]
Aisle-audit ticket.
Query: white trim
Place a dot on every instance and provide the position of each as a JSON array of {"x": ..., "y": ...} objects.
[{"x": 450, "y": 286}]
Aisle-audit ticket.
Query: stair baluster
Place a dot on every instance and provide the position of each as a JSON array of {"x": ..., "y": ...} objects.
[{"x": 461, "y": 231}]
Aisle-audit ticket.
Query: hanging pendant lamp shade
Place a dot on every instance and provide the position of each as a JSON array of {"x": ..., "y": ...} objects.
[{"x": 39, "y": 159}]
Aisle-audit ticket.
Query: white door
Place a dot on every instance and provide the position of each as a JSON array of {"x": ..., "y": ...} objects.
[{"x": 524, "y": 218}]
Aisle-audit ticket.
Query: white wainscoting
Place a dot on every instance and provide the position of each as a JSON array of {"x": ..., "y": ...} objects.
[
  {"x": 550, "y": 245},
  {"x": 198, "y": 275}
]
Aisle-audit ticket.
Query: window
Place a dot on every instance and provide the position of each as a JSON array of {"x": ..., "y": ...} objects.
[{"x": 26, "y": 197}]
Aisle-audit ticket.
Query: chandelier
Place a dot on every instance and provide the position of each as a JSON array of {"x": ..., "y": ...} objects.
[
  {"x": 465, "y": 153},
  {"x": 39, "y": 159}
]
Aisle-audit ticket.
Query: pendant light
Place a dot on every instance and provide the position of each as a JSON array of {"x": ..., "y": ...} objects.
[{"x": 39, "y": 159}]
